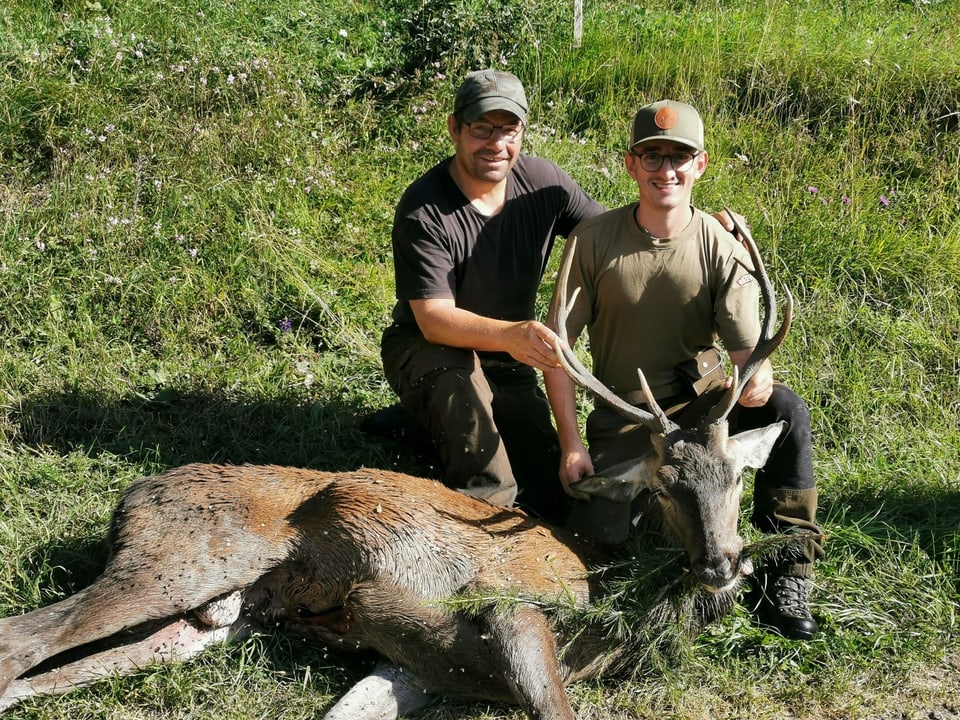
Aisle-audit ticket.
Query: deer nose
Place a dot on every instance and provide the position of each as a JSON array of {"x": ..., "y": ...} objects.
[{"x": 718, "y": 572}]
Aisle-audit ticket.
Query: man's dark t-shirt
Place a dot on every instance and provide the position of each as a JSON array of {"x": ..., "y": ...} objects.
[{"x": 492, "y": 266}]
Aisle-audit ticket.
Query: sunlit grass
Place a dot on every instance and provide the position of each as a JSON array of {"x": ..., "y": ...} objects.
[{"x": 195, "y": 211}]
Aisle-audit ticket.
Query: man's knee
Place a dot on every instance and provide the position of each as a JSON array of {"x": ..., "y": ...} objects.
[
  {"x": 409, "y": 359},
  {"x": 492, "y": 487},
  {"x": 455, "y": 405},
  {"x": 785, "y": 404}
]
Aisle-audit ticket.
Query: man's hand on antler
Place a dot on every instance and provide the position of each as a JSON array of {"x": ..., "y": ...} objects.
[
  {"x": 575, "y": 464},
  {"x": 531, "y": 343},
  {"x": 758, "y": 388}
]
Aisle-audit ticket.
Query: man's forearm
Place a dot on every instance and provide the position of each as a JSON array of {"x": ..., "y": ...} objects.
[
  {"x": 442, "y": 323},
  {"x": 562, "y": 395},
  {"x": 526, "y": 341},
  {"x": 460, "y": 328}
]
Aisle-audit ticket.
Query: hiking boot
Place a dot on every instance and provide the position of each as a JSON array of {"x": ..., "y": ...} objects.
[
  {"x": 784, "y": 605},
  {"x": 395, "y": 422}
]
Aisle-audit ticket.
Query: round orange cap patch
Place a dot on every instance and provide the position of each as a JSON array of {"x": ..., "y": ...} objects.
[{"x": 666, "y": 118}]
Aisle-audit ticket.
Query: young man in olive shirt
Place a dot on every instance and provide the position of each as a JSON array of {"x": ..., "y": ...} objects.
[{"x": 660, "y": 282}]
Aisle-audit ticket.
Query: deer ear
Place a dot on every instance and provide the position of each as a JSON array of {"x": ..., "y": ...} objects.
[
  {"x": 622, "y": 482},
  {"x": 751, "y": 448}
]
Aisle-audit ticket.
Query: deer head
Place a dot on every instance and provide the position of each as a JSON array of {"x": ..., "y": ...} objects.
[{"x": 695, "y": 473}]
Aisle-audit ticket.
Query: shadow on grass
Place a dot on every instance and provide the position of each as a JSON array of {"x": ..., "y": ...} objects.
[
  {"x": 175, "y": 427},
  {"x": 927, "y": 516}
]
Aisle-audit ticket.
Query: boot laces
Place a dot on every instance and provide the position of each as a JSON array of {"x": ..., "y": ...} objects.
[{"x": 791, "y": 596}]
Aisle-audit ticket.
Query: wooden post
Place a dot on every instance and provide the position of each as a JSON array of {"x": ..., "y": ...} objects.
[{"x": 577, "y": 22}]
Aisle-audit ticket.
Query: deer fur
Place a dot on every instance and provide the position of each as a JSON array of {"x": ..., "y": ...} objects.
[{"x": 364, "y": 559}]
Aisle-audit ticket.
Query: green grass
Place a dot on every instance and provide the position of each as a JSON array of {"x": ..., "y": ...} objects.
[{"x": 195, "y": 208}]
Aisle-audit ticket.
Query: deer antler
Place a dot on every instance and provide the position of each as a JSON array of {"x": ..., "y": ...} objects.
[
  {"x": 656, "y": 421},
  {"x": 769, "y": 340}
]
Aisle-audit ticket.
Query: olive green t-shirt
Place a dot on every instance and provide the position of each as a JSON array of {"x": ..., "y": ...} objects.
[{"x": 654, "y": 303}]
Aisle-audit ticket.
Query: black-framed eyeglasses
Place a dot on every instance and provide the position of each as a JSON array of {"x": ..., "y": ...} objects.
[
  {"x": 653, "y": 161},
  {"x": 484, "y": 130}
]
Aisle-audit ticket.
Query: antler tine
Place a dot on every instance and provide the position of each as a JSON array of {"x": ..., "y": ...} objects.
[
  {"x": 652, "y": 403},
  {"x": 657, "y": 421},
  {"x": 769, "y": 340}
]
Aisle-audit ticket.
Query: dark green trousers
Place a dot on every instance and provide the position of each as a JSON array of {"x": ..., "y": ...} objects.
[{"x": 489, "y": 421}]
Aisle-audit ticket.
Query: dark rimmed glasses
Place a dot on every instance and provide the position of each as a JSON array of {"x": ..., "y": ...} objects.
[
  {"x": 484, "y": 130},
  {"x": 653, "y": 161}
]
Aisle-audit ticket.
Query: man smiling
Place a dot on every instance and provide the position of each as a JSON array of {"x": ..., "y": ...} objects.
[
  {"x": 471, "y": 241},
  {"x": 663, "y": 287}
]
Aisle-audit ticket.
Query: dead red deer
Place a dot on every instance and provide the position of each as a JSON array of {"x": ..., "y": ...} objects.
[{"x": 378, "y": 559}]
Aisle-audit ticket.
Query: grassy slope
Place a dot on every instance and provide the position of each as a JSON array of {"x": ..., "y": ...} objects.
[{"x": 180, "y": 184}]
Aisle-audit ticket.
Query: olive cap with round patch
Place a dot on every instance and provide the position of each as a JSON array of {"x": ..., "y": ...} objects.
[{"x": 667, "y": 120}]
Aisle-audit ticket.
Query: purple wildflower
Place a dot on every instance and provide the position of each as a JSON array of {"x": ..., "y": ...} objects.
[
  {"x": 885, "y": 201},
  {"x": 285, "y": 325}
]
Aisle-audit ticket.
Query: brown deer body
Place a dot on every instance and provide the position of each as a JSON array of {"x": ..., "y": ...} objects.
[
  {"x": 377, "y": 559},
  {"x": 359, "y": 559}
]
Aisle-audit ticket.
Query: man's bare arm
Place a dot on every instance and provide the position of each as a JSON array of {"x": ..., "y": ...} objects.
[
  {"x": 443, "y": 323},
  {"x": 575, "y": 461}
]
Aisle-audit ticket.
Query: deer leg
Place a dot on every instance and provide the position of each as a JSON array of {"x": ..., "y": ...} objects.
[
  {"x": 134, "y": 588},
  {"x": 443, "y": 650},
  {"x": 29, "y": 639},
  {"x": 387, "y": 693},
  {"x": 523, "y": 640},
  {"x": 176, "y": 641},
  {"x": 502, "y": 655}
]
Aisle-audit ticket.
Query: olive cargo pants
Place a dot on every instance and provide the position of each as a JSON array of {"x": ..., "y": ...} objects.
[{"x": 489, "y": 421}]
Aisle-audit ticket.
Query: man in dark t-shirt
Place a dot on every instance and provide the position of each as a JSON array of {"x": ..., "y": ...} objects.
[{"x": 471, "y": 241}]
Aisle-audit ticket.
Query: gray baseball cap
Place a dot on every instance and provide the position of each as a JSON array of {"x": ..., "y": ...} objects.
[
  {"x": 486, "y": 90},
  {"x": 667, "y": 120}
]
